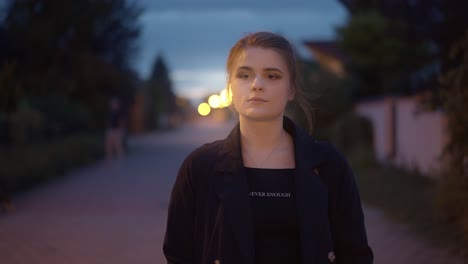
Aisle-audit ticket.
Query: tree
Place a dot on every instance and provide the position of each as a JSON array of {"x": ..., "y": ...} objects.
[
  {"x": 455, "y": 98},
  {"x": 453, "y": 185},
  {"x": 376, "y": 56},
  {"x": 436, "y": 24},
  {"x": 325, "y": 93},
  {"x": 160, "y": 100},
  {"x": 77, "y": 50}
]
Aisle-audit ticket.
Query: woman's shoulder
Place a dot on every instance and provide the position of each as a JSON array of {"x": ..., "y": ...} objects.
[
  {"x": 308, "y": 143},
  {"x": 326, "y": 149},
  {"x": 208, "y": 152},
  {"x": 197, "y": 165},
  {"x": 330, "y": 155},
  {"x": 332, "y": 152}
]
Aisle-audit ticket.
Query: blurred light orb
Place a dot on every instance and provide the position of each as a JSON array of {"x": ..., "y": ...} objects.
[
  {"x": 204, "y": 109},
  {"x": 214, "y": 101},
  {"x": 226, "y": 98}
]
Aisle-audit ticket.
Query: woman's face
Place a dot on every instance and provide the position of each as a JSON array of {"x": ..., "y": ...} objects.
[{"x": 260, "y": 84}]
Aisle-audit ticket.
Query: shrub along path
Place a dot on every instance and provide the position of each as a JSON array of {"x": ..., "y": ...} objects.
[{"x": 116, "y": 212}]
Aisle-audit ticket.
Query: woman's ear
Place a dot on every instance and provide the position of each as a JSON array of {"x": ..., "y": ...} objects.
[{"x": 292, "y": 93}]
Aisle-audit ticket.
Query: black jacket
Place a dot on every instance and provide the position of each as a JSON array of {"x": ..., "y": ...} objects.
[{"x": 210, "y": 221}]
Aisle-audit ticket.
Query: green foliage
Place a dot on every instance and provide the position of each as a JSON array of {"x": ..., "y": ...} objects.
[
  {"x": 455, "y": 98},
  {"x": 25, "y": 126},
  {"x": 377, "y": 56},
  {"x": 27, "y": 165},
  {"x": 353, "y": 135},
  {"x": 60, "y": 110},
  {"x": 51, "y": 30},
  {"x": 433, "y": 24},
  {"x": 452, "y": 194},
  {"x": 41, "y": 118},
  {"x": 77, "y": 50},
  {"x": 10, "y": 88},
  {"x": 159, "y": 97},
  {"x": 328, "y": 95},
  {"x": 453, "y": 185}
]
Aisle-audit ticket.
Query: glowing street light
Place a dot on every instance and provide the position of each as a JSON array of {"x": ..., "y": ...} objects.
[
  {"x": 226, "y": 98},
  {"x": 204, "y": 109},
  {"x": 214, "y": 101}
]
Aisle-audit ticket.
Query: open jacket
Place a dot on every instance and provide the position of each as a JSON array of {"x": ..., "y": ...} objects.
[{"x": 210, "y": 218}]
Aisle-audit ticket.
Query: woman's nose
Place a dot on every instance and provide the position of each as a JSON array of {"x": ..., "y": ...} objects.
[{"x": 258, "y": 84}]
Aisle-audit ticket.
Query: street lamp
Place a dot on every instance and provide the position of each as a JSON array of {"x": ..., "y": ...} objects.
[{"x": 204, "y": 109}]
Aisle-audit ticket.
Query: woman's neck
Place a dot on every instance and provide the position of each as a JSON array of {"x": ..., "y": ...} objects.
[
  {"x": 266, "y": 144},
  {"x": 261, "y": 135}
]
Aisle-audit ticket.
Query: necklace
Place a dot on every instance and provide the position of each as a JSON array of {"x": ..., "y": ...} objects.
[{"x": 259, "y": 164}]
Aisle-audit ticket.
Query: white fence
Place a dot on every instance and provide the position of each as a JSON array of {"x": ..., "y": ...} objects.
[{"x": 404, "y": 134}]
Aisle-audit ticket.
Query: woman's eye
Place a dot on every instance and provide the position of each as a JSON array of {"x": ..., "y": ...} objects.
[
  {"x": 243, "y": 76},
  {"x": 273, "y": 76}
]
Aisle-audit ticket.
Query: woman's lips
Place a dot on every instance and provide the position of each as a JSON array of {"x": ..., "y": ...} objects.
[{"x": 257, "y": 99}]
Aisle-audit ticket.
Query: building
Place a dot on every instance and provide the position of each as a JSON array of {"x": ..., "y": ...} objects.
[{"x": 328, "y": 55}]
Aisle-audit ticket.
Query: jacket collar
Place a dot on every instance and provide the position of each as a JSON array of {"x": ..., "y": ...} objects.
[
  {"x": 304, "y": 145},
  {"x": 311, "y": 194}
]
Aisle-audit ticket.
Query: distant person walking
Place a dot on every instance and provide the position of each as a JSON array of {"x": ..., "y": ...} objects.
[
  {"x": 5, "y": 202},
  {"x": 114, "y": 133}
]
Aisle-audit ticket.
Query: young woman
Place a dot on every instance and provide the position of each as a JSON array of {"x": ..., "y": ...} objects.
[{"x": 268, "y": 193}]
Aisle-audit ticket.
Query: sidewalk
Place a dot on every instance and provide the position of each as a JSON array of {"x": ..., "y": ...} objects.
[
  {"x": 392, "y": 243},
  {"x": 116, "y": 212}
]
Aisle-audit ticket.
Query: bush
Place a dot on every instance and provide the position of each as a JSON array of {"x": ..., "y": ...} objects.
[
  {"x": 39, "y": 118},
  {"x": 451, "y": 201},
  {"x": 352, "y": 134},
  {"x": 453, "y": 185},
  {"x": 26, "y": 126},
  {"x": 62, "y": 114},
  {"x": 28, "y": 165}
]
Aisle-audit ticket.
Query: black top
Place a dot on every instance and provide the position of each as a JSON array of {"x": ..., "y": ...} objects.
[
  {"x": 276, "y": 232},
  {"x": 114, "y": 118}
]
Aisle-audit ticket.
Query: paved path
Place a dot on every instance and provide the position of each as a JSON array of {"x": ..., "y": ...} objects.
[{"x": 116, "y": 212}]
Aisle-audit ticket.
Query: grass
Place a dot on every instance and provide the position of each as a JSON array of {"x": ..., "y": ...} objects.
[{"x": 409, "y": 198}]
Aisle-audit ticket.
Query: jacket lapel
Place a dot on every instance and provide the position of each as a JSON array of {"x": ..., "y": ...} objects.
[
  {"x": 232, "y": 188},
  {"x": 311, "y": 193}
]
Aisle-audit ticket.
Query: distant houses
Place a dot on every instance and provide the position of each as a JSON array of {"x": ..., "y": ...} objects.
[{"x": 328, "y": 55}]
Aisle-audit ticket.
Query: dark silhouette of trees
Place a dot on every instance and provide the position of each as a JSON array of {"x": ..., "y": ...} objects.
[
  {"x": 452, "y": 191},
  {"x": 455, "y": 98},
  {"x": 433, "y": 25},
  {"x": 77, "y": 50},
  {"x": 160, "y": 100},
  {"x": 378, "y": 58}
]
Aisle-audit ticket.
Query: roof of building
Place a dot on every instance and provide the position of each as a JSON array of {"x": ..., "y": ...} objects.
[{"x": 327, "y": 47}]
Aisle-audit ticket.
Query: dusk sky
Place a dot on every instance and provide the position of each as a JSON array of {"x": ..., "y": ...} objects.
[{"x": 194, "y": 37}]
